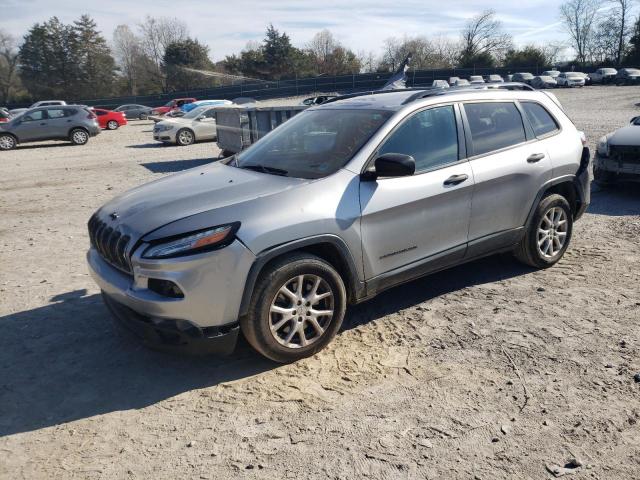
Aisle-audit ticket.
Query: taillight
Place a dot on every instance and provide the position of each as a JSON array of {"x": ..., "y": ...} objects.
[{"x": 92, "y": 115}]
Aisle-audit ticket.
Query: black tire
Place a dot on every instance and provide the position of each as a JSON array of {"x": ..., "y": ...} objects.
[
  {"x": 185, "y": 137},
  {"x": 528, "y": 251},
  {"x": 256, "y": 325},
  {"x": 143, "y": 116},
  {"x": 603, "y": 178},
  {"x": 7, "y": 142},
  {"x": 79, "y": 136},
  {"x": 112, "y": 125}
]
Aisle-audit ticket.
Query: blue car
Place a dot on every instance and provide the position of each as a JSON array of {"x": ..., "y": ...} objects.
[{"x": 187, "y": 107}]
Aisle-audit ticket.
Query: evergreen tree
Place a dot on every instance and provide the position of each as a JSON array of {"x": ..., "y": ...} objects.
[
  {"x": 96, "y": 65},
  {"x": 181, "y": 60}
]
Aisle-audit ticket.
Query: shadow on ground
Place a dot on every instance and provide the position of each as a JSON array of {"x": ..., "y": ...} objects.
[
  {"x": 172, "y": 166},
  {"x": 67, "y": 361},
  {"x": 615, "y": 200}
]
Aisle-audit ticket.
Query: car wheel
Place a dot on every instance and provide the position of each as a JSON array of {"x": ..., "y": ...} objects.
[
  {"x": 143, "y": 116},
  {"x": 7, "y": 142},
  {"x": 185, "y": 137},
  {"x": 112, "y": 125},
  {"x": 297, "y": 308},
  {"x": 79, "y": 136},
  {"x": 548, "y": 234}
]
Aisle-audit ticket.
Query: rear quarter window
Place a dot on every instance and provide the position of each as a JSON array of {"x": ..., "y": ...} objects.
[
  {"x": 541, "y": 120},
  {"x": 494, "y": 126}
]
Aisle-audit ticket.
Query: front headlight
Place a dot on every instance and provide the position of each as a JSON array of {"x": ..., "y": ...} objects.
[
  {"x": 195, "y": 242},
  {"x": 603, "y": 146},
  {"x": 164, "y": 128}
]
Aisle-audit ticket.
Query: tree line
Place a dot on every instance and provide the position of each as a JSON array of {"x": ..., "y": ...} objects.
[{"x": 159, "y": 55}]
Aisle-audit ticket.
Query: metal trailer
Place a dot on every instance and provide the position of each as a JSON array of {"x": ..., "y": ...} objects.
[{"x": 239, "y": 127}]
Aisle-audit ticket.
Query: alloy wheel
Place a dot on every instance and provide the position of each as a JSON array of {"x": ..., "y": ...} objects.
[
  {"x": 301, "y": 311},
  {"x": 80, "y": 137},
  {"x": 552, "y": 232},
  {"x": 185, "y": 137},
  {"x": 7, "y": 142}
]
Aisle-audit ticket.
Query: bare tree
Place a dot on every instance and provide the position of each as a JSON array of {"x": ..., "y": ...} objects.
[
  {"x": 128, "y": 50},
  {"x": 483, "y": 34},
  {"x": 621, "y": 16},
  {"x": 439, "y": 52},
  {"x": 322, "y": 45},
  {"x": 552, "y": 51},
  {"x": 8, "y": 65},
  {"x": 156, "y": 35},
  {"x": 579, "y": 18},
  {"x": 368, "y": 61}
]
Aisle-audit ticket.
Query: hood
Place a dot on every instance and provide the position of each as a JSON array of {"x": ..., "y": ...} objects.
[
  {"x": 201, "y": 189},
  {"x": 174, "y": 121},
  {"x": 626, "y": 136}
]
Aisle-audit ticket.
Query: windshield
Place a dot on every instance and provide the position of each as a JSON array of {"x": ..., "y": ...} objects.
[
  {"x": 608, "y": 70},
  {"x": 313, "y": 144},
  {"x": 573, "y": 75},
  {"x": 169, "y": 104},
  {"x": 633, "y": 71},
  {"x": 196, "y": 112}
]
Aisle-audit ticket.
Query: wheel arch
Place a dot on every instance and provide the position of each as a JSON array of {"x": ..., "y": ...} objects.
[
  {"x": 330, "y": 248},
  {"x": 79, "y": 127},
  {"x": 11, "y": 134},
  {"x": 195, "y": 138},
  {"x": 567, "y": 186}
]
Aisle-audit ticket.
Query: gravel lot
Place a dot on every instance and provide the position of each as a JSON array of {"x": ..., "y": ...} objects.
[{"x": 487, "y": 371}]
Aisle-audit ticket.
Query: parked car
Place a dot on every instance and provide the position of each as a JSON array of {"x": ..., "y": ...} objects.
[
  {"x": 587, "y": 78},
  {"x": 603, "y": 75},
  {"x": 509, "y": 78},
  {"x": 440, "y": 84},
  {"x": 551, "y": 73},
  {"x": 187, "y": 107},
  {"x": 17, "y": 111},
  {"x": 628, "y": 76},
  {"x": 543, "y": 81},
  {"x": 618, "y": 155},
  {"x": 48, "y": 103},
  {"x": 318, "y": 100},
  {"x": 453, "y": 80},
  {"x": 197, "y": 125},
  {"x": 494, "y": 78},
  {"x": 333, "y": 207},
  {"x": 462, "y": 82},
  {"x": 523, "y": 77},
  {"x": 171, "y": 105},
  {"x": 132, "y": 111},
  {"x": 476, "y": 79},
  {"x": 109, "y": 119},
  {"x": 72, "y": 123},
  {"x": 570, "y": 79}
]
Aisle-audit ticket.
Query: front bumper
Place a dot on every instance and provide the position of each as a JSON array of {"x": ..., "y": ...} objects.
[
  {"x": 168, "y": 136},
  {"x": 212, "y": 284},
  {"x": 174, "y": 335},
  {"x": 625, "y": 170}
]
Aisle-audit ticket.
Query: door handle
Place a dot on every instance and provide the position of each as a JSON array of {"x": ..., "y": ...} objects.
[
  {"x": 456, "y": 179},
  {"x": 535, "y": 157}
]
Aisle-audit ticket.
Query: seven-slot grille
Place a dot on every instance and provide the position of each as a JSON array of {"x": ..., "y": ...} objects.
[
  {"x": 625, "y": 154},
  {"x": 110, "y": 243}
]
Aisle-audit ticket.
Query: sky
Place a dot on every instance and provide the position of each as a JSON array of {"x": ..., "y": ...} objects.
[{"x": 362, "y": 25}]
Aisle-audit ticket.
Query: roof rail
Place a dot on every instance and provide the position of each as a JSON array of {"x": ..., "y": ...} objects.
[
  {"x": 424, "y": 92},
  {"x": 432, "y": 92}
]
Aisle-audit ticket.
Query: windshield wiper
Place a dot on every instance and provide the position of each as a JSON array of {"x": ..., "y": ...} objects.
[{"x": 265, "y": 169}]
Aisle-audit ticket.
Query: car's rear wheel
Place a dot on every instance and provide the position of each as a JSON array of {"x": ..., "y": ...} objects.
[
  {"x": 7, "y": 142},
  {"x": 79, "y": 136},
  {"x": 112, "y": 125},
  {"x": 297, "y": 308},
  {"x": 548, "y": 234},
  {"x": 143, "y": 116},
  {"x": 185, "y": 137}
]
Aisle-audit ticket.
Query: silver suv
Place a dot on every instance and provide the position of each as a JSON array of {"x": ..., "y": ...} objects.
[
  {"x": 344, "y": 200},
  {"x": 73, "y": 123}
]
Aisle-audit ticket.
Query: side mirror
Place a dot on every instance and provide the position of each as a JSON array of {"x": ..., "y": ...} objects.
[
  {"x": 394, "y": 165},
  {"x": 635, "y": 121}
]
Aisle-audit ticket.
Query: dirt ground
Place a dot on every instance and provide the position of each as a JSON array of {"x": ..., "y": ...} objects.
[{"x": 487, "y": 371}]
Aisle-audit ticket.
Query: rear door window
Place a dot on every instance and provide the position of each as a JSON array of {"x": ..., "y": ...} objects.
[
  {"x": 541, "y": 120},
  {"x": 494, "y": 126},
  {"x": 55, "y": 113}
]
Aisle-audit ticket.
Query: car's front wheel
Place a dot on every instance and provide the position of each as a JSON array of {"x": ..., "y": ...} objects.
[
  {"x": 112, "y": 125},
  {"x": 79, "y": 136},
  {"x": 548, "y": 234},
  {"x": 297, "y": 308},
  {"x": 7, "y": 142},
  {"x": 185, "y": 137}
]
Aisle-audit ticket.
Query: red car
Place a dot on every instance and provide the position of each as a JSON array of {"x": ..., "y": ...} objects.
[
  {"x": 109, "y": 119},
  {"x": 4, "y": 115},
  {"x": 172, "y": 105}
]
